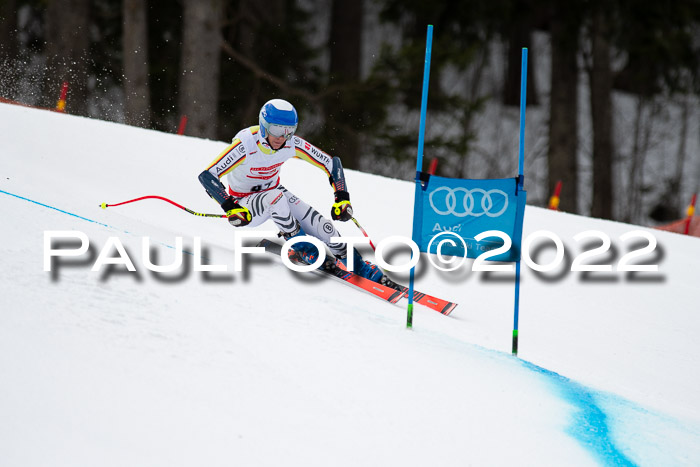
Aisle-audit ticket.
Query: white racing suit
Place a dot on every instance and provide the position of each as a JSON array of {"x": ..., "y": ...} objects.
[{"x": 252, "y": 167}]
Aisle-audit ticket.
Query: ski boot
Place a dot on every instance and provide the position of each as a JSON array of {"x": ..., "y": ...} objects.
[
  {"x": 369, "y": 271},
  {"x": 303, "y": 252}
]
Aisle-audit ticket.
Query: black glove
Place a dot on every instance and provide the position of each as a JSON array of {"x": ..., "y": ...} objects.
[
  {"x": 238, "y": 216},
  {"x": 342, "y": 209}
]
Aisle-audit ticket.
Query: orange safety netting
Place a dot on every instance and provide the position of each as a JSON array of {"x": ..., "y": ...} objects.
[{"x": 680, "y": 226}]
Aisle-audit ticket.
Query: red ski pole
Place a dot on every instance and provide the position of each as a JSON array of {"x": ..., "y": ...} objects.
[
  {"x": 364, "y": 233},
  {"x": 105, "y": 206}
]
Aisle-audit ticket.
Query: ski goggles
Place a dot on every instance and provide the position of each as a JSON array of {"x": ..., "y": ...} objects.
[{"x": 281, "y": 130}]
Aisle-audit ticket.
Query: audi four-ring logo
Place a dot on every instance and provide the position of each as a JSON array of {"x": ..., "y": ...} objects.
[{"x": 469, "y": 202}]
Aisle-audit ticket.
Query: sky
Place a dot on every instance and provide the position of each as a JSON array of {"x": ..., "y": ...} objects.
[{"x": 266, "y": 366}]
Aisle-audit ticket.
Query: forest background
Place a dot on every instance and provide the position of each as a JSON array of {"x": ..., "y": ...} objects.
[{"x": 613, "y": 85}]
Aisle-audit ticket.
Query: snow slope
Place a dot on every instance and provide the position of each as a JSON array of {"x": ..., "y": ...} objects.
[{"x": 268, "y": 367}]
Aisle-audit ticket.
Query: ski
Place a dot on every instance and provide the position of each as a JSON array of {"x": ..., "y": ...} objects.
[
  {"x": 389, "y": 294},
  {"x": 438, "y": 304},
  {"x": 382, "y": 292}
]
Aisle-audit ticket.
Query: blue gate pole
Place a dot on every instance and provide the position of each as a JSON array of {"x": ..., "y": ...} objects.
[
  {"x": 417, "y": 202},
  {"x": 523, "y": 106},
  {"x": 521, "y": 181}
]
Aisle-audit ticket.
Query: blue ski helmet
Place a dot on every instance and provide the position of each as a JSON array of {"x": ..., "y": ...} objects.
[{"x": 278, "y": 118}]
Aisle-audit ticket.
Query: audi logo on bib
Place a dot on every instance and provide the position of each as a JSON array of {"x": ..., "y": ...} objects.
[{"x": 463, "y": 202}]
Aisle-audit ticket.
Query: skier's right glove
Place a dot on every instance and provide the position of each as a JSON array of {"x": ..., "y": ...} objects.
[
  {"x": 238, "y": 215},
  {"x": 342, "y": 209}
]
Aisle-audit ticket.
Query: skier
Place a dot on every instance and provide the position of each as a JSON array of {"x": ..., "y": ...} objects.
[{"x": 251, "y": 164}]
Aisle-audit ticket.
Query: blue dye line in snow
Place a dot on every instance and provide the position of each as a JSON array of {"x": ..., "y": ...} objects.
[
  {"x": 591, "y": 424},
  {"x": 80, "y": 217},
  {"x": 56, "y": 209}
]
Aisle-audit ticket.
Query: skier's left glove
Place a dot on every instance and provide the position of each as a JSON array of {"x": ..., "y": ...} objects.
[
  {"x": 342, "y": 209},
  {"x": 238, "y": 215}
]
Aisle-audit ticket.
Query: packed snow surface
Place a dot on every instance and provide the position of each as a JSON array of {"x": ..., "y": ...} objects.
[{"x": 269, "y": 367}]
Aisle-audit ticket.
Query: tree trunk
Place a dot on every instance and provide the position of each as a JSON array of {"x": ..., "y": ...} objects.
[
  {"x": 135, "y": 49},
  {"x": 245, "y": 40},
  {"x": 8, "y": 29},
  {"x": 67, "y": 43},
  {"x": 342, "y": 109},
  {"x": 519, "y": 36},
  {"x": 630, "y": 212},
  {"x": 9, "y": 48},
  {"x": 198, "y": 96},
  {"x": 601, "y": 116},
  {"x": 676, "y": 181},
  {"x": 563, "y": 111}
]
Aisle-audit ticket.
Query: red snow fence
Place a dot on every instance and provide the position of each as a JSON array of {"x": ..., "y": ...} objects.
[
  {"x": 679, "y": 226},
  {"x": 688, "y": 226}
]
